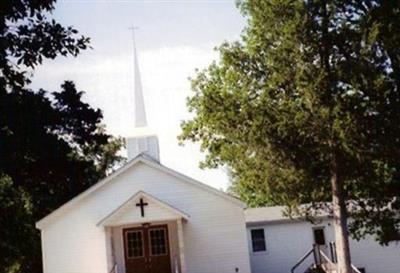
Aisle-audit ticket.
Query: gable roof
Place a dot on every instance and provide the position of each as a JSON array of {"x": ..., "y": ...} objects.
[
  {"x": 273, "y": 214},
  {"x": 139, "y": 159},
  {"x": 265, "y": 214},
  {"x": 141, "y": 194}
]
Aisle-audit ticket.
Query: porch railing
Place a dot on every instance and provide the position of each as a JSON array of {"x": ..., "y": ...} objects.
[
  {"x": 321, "y": 260},
  {"x": 302, "y": 259},
  {"x": 332, "y": 247}
]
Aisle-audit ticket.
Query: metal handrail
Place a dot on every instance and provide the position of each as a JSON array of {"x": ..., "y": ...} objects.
[
  {"x": 302, "y": 259},
  {"x": 325, "y": 257},
  {"x": 355, "y": 269},
  {"x": 318, "y": 256},
  {"x": 326, "y": 261},
  {"x": 332, "y": 247},
  {"x": 334, "y": 257}
]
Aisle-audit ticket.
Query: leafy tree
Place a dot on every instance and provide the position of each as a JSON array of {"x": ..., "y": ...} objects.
[
  {"x": 27, "y": 36},
  {"x": 304, "y": 109},
  {"x": 15, "y": 205},
  {"x": 52, "y": 148},
  {"x": 52, "y": 145}
]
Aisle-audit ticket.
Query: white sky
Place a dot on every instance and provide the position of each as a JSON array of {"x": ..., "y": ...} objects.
[{"x": 174, "y": 38}]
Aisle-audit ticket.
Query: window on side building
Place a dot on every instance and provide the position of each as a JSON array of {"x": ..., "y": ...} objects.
[{"x": 258, "y": 240}]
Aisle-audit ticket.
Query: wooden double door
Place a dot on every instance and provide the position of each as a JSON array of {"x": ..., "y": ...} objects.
[{"x": 147, "y": 249}]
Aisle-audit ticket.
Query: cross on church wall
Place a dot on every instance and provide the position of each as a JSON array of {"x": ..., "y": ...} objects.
[{"x": 141, "y": 204}]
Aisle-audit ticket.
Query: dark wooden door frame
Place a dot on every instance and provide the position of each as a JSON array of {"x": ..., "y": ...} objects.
[
  {"x": 139, "y": 260},
  {"x": 147, "y": 256}
]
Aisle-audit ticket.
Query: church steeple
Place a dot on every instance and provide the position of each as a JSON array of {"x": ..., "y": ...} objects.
[
  {"x": 143, "y": 140},
  {"x": 140, "y": 112}
]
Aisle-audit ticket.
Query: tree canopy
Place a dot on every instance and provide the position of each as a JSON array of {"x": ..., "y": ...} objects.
[
  {"x": 28, "y": 36},
  {"x": 53, "y": 145},
  {"x": 305, "y": 107}
]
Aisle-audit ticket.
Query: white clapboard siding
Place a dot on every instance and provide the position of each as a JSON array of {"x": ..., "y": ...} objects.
[
  {"x": 214, "y": 236},
  {"x": 287, "y": 242}
]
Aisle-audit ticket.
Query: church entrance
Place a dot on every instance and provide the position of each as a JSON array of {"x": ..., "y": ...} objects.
[{"x": 147, "y": 249}]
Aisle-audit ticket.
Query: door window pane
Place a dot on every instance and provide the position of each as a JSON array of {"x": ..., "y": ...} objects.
[
  {"x": 319, "y": 236},
  {"x": 134, "y": 244},
  {"x": 158, "y": 244},
  {"x": 258, "y": 240}
]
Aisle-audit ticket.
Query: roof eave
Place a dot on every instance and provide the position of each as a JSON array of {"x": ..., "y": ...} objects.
[{"x": 41, "y": 224}]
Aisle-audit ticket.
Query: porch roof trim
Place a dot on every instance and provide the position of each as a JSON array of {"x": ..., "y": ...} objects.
[{"x": 141, "y": 194}]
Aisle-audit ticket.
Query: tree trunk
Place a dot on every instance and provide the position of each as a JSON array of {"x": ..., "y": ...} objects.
[{"x": 340, "y": 223}]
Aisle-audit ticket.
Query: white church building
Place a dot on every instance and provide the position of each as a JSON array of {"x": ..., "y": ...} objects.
[{"x": 148, "y": 218}]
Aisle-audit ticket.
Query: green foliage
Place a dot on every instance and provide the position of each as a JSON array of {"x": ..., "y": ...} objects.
[
  {"x": 28, "y": 37},
  {"x": 15, "y": 205},
  {"x": 310, "y": 90},
  {"x": 52, "y": 145}
]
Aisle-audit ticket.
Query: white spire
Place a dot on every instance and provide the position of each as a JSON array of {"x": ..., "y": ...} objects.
[
  {"x": 143, "y": 140},
  {"x": 140, "y": 112}
]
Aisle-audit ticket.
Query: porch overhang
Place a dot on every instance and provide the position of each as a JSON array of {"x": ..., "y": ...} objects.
[{"x": 152, "y": 210}]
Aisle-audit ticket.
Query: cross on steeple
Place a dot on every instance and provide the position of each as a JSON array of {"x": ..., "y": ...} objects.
[{"x": 142, "y": 204}]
